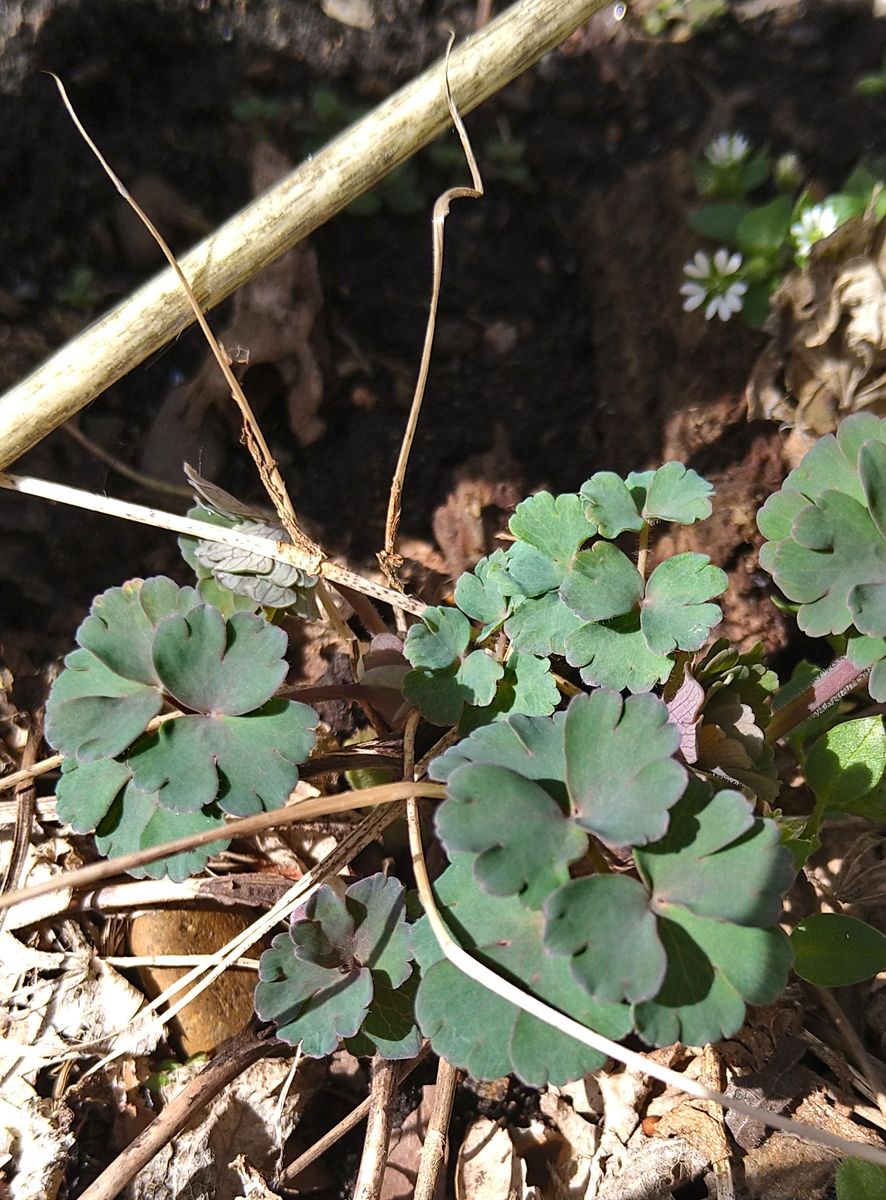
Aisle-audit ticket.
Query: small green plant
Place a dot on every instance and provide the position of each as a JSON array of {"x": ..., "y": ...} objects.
[
  {"x": 693, "y": 16},
  {"x": 613, "y": 850},
  {"x": 760, "y": 243}
]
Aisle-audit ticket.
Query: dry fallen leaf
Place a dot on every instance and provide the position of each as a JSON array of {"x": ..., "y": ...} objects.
[
  {"x": 827, "y": 357},
  {"x": 488, "y": 1166}
]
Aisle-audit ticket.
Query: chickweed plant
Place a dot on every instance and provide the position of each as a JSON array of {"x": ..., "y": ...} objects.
[
  {"x": 759, "y": 243},
  {"x": 604, "y": 769}
]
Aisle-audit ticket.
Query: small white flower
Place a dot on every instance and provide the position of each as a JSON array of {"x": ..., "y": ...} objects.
[
  {"x": 714, "y": 283},
  {"x": 816, "y": 223},
  {"x": 728, "y": 150}
]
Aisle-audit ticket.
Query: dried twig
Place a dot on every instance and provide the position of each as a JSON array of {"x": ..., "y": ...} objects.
[
  {"x": 433, "y": 1152},
  {"x": 383, "y": 1088},
  {"x": 230, "y": 1061},
  {"x": 389, "y": 559}
]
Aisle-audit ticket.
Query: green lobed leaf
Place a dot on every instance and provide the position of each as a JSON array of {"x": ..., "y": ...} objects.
[
  {"x": 677, "y": 493},
  {"x": 93, "y": 713},
  {"x": 602, "y": 583},
  {"x": 675, "y": 613},
  {"x": 550, "y": 530},
  {"x": 526, "y": 686},
  {"x": 247, "y": 763},
  {"x": 610, "y": 505},
  {"x": 540, "y": 625},
  {"x": 441, "y": 695},
  {"x": 615, "y": 655},
  {"x": 475, "y": 1029},
  {"x": 122, "y": 622},
  {"x": 86, "y": 792},
  {"x": 343, "y": 957},
  {"x": 216, "y": 666},
  {"x": 483, "y": 594},
  {"x": 523, "y": 840},
  {"x": 620, "y": 770},
  {"x": 824, "y": 547},
  {"x": 833, "y": 950},
  {"x": 439, "y": 640},
  {"x": 137, "y": 820},
  {"x": 533, "y": 747}
]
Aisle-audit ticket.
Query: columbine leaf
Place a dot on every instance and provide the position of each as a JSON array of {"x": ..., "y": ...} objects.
[
  {"x": 340, "y": 956},
  {"x": 616, "y": 656},
  {"x": 85, "y": 793},
  {"x": 472, "y": 1027},
  {"x": 602, "y": 583},
  {"x": 541, "y": 625},
  {"x": 675, "y": 613},
  {"x": 247, "y": 763},
  {"x": 824, "y": 547},
  {"x": 677, "y": 493},
  {"x": 605, "y": 924},
  {"x": 531, "y": 746},
  {"x": 439, "y": 640},
  {"x": 859, "y": 1180},
  {"x": 483, "y": 593},
  {"x": 713, "y": 888},
  {"x": 610, "y": 505},
  {"x": 218, "y": 666},
  {"x": 441, "y": 695},
  {"x": 523, "y": 840},
  {"x": 122, "y": 622},
  {"x": 138, "y": 821},
  {"x": 716, "y": 881},
  {"x": 94, "y": 713},
  {"x": 550, "y": 529},
  {"x": 620, "y": 771}
]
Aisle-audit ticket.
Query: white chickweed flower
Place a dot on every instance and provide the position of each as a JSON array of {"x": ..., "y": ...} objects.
[
  {"x": 816, "y": 223},
  {"x": 715, "y": 284},
  {"x": 728, "y": 150}
]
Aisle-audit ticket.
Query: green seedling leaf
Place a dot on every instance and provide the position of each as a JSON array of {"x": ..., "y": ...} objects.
[
  {"x": 138, "y": 821},
  {"x": 605, "y": 925},
  {"x": 602, "y": 583},
  {"x": 609, "y": 505},
  {"x": 483, "y": 593},
  {"x": 856, "y": 1179},
  {"x": 439, "y": 640},
  {"x": 86, "y": 792},
  {"x": 441, "y": 695},
  {"x": 764, "y": 230},
  {"x": 834, "y": 951},
  {"x": 675, "y": 613},
  {"x": 847, "y": 762},
  {"x": 716, "y": 881},
  {"x": 122, "y": 622},
  {"x": 245, "y": 763},
  {"x": 523, "y": 839},
  {"x": 677, "y": 493},
  {"x": 825, "y": 549},
  {"x": 718, "y": 221},
  {"x": 620, "y": 771},
  {"x": 541, "y": 625},
  {"x": 527, "y": 686},
  {"x": 475, "y": 1029},
  {"x": 550, "y": 530},
  {"x": 616, "y": 656},
  {"x": 216, "y": 666},
  {"x": 94, "y": 713},
  {"x": 532, "y": 747},
  {"x": 319, "y": 981}
]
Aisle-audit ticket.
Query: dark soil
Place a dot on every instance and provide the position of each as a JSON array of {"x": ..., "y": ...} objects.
[{"x": 562, "y": 344}]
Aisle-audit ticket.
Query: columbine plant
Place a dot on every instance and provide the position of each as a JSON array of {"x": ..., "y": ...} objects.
[
  {"x": 608, "y": 819},
  {"x": 760, "y": 243}
]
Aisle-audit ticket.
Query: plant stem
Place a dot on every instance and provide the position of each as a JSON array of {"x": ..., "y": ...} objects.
[
  {"x": 840, "y": 678},
  {"x": 323, "y": 185},
  {"x": 383, "y": 1089}
]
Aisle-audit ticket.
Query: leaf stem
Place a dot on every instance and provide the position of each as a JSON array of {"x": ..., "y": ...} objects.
[
  {"x": 840, "y": 678},
  {"x": 643, "y": 552}
]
